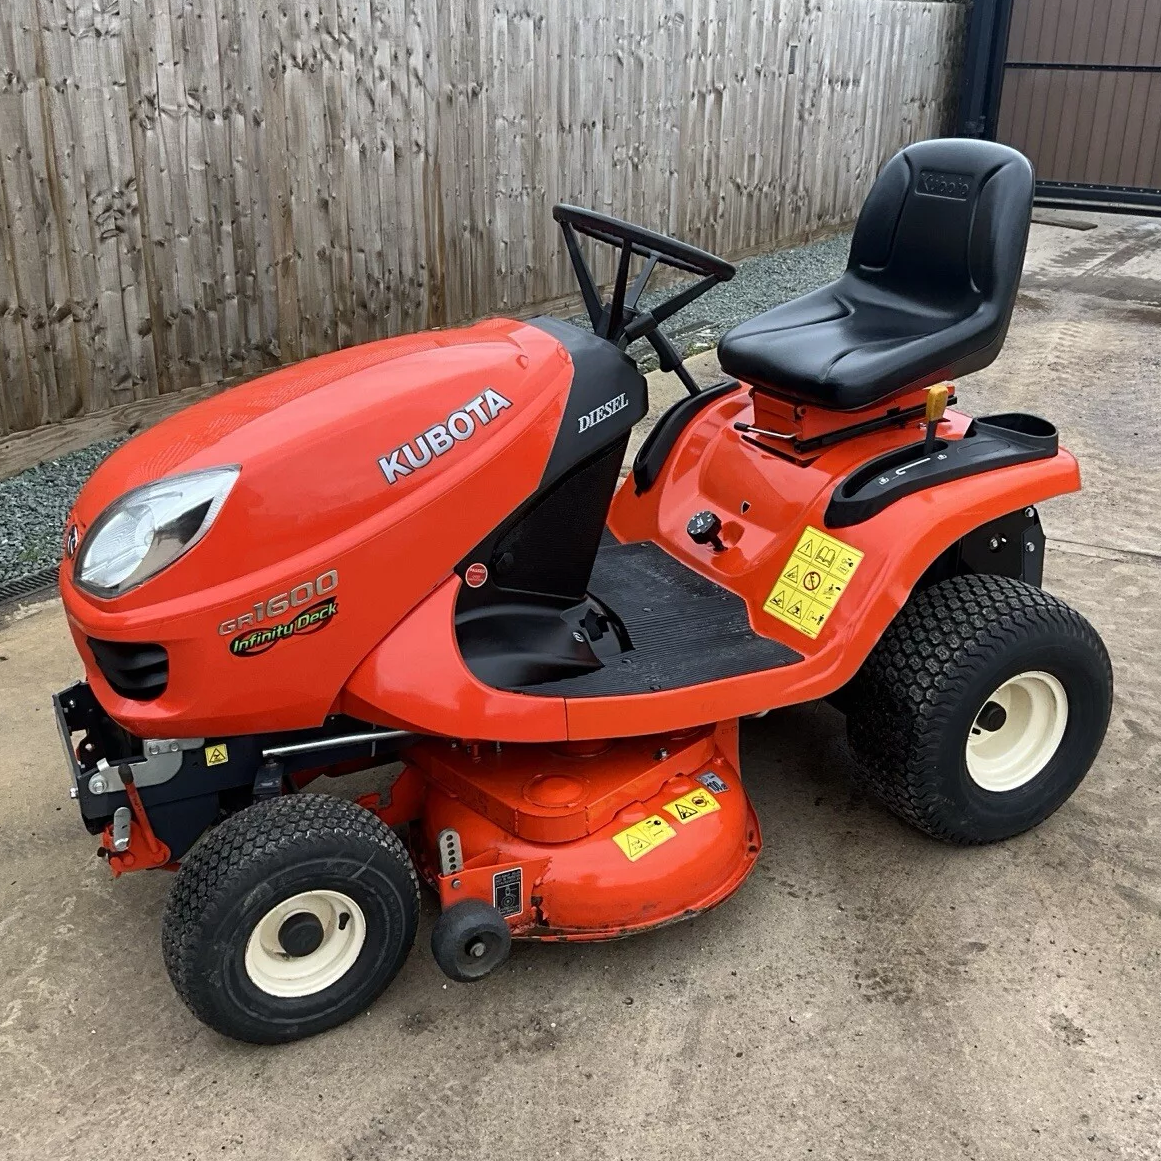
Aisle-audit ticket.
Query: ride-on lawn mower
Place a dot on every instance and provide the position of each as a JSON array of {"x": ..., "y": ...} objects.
[{"x": 417, "y": 550}]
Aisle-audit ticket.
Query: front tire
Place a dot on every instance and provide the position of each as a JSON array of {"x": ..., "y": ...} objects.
[
  {"x": 289, "y": 918},
  {"x": 981, "y": 708}
]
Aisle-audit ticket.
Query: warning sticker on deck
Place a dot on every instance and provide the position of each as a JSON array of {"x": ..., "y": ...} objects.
[
  {"x": 712, "y": 781},
  {"x": 216, "y": 755},
  {"x": 506, "y": 892},
  {"x": 814, "y": 578},
  {"x": 692, "y": 805},
  {"x": 644, "y": 836}
]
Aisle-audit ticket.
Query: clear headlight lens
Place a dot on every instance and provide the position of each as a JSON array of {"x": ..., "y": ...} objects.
[{"x": 147, "y": 529}]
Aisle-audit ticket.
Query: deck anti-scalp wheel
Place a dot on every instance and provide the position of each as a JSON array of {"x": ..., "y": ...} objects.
[
  {"x": 469, "y": 940},
  {"x": 289, "y": 918},
  {"x": 981, "y": 708}
]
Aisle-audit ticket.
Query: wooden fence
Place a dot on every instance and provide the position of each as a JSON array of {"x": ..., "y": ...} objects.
[{"x": 194, "y": 190}]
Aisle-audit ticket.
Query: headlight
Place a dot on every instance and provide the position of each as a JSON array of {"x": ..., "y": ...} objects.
[{"x": 147, "y": 529}]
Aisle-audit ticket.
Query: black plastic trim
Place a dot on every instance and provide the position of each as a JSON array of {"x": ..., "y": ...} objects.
[
  {"x": 652, "y": 454},
  {"x": 996, "y": 441},
  {"x": 136, "y": 670},
  {"x": 607, "y": 397},
  {"x": 676, "y": 629},
  {"x": 545, "y": 549}
]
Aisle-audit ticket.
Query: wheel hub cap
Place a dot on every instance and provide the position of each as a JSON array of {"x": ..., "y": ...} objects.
[
  {"x": 301, "y": 934},
  {"x": 1017, "y": 731},
  {"x": 992, "y": 717},
  {"x": 305, "y": 943}
]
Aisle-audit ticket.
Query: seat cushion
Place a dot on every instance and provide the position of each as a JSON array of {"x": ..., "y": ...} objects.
[
  {"x": 849, "y": 345},
  {"x": 929, "y": 288}
]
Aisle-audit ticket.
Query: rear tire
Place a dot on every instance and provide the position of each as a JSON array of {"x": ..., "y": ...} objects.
[
  {"x": 981, "y": 708},
  {"x": 289, "y": 918}
]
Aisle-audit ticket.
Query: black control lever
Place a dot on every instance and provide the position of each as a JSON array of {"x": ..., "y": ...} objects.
[{"x": 668, "y": 359}]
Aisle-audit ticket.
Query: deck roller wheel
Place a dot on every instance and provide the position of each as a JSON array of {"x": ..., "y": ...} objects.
[{"x": 469, "y": 940}]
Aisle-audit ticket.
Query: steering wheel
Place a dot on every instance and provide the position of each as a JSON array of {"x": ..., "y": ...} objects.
[
  {"x": 645, "y": 242},
  {"x": 619, "y": 320}
]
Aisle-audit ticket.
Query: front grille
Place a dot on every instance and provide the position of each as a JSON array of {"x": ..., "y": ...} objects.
[{"x": 133, "y": 669}]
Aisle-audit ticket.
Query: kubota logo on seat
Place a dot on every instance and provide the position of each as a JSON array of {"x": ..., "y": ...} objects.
[{"x": 460, "y": 425}]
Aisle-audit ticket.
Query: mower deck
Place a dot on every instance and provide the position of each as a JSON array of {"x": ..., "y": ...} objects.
[
  {"x": 685, "y": 629},
  {"x": 581, "y": 842}
]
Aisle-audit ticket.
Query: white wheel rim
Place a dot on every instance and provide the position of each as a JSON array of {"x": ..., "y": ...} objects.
[
  {"x": 278, "y": 973},
  {"x": 1035, "y": 713}
]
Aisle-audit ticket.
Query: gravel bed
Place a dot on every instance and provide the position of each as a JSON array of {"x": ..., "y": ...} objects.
[
  {"x": 33, "y": 507},
  {"x": 34, "y": 504}
]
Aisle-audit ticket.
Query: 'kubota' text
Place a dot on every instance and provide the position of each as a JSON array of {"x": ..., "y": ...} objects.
[{"x": 460, "y": 425}]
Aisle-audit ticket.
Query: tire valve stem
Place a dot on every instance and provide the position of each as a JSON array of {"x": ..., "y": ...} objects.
[{"x": 344, "y": 919}]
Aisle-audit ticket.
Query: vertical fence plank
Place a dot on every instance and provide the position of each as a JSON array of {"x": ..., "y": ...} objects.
[{"x": 68, "y": 204}]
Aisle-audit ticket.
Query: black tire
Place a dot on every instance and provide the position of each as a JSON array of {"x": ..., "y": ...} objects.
[
  {"x": 263, "y": 855},
  {"x": 470, "y": 940},
  {"x": 922, "y": 688}
]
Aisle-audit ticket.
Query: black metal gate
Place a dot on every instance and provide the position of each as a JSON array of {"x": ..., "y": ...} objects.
[{"x": 1075, "y": 85}]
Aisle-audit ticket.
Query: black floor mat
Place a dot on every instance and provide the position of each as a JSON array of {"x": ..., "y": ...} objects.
[{"x": 685, "y": 629}]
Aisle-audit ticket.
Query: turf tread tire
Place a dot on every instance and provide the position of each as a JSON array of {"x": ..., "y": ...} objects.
[
  {"x": 918, "y": 676},
  {"x": 224, "y": 860}
]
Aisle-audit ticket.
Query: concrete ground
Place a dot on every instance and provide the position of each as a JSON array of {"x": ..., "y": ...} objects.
[{"x": 868, "y": 993}]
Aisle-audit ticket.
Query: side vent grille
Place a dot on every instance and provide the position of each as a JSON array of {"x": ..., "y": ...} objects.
[{"x": 134, "y": 670}]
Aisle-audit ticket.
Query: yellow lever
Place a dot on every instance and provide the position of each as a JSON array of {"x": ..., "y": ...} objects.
[
  {"x": 936, "y": 406},
  {"x": 937, "y": 402}
]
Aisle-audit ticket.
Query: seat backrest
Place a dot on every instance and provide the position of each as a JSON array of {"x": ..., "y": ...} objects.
[{"x": 947, "y": 223}]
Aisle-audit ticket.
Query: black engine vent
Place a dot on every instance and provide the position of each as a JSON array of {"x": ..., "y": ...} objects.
[{"x": 134, "y": 669}]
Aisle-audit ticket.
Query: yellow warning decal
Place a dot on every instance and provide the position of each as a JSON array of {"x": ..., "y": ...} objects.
[
  {"x": 692, "y": 805},
  {"x": 216, "y": 755},
  {"x": 815, "y": 576},
  {"x": 642, "y": 837}
]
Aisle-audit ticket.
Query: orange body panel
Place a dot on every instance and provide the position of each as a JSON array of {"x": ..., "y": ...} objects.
[
  {"x": 714, "y": 467},
  {"x": 786, "y": 417},
  {"x": 417, "y": 680}
]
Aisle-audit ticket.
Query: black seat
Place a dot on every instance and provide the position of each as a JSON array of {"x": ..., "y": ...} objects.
[{"x": 928, "y": 291}]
